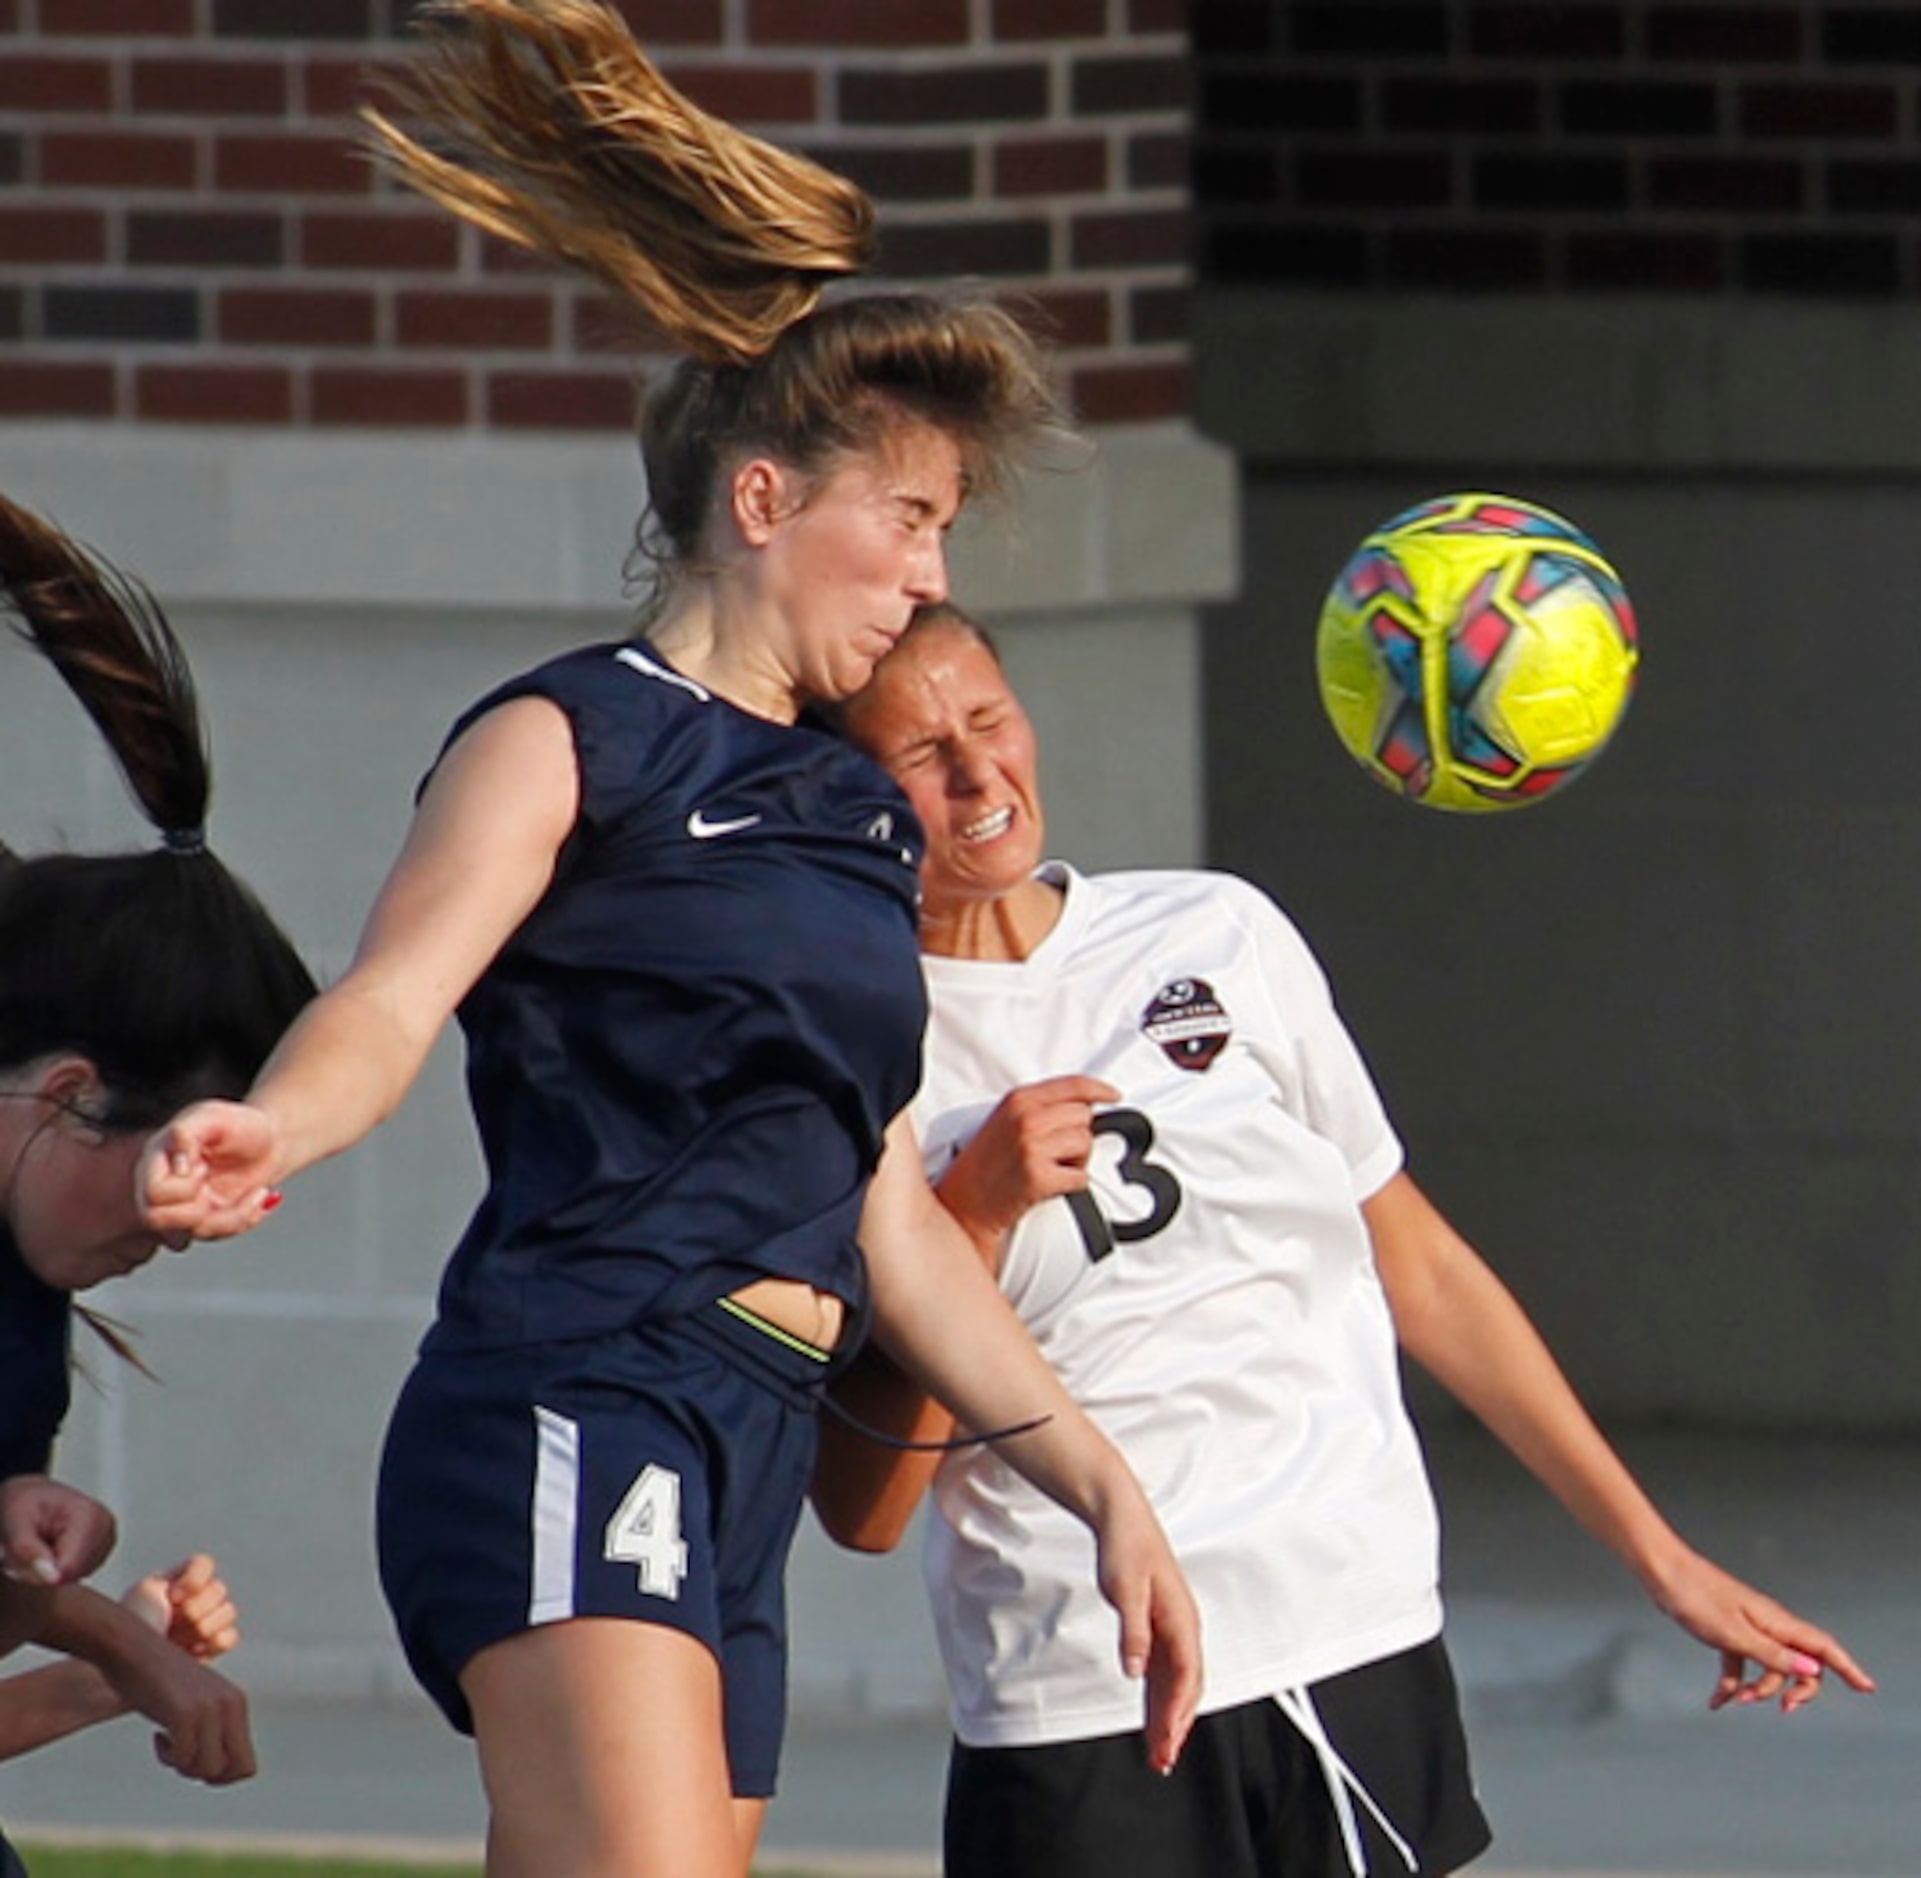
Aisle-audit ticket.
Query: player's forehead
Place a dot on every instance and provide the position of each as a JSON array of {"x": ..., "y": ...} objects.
[{"x": 933, "y": 685}]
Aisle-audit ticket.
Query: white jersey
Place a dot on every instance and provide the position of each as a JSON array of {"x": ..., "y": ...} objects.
[{"x": 1212, "y": 1302}]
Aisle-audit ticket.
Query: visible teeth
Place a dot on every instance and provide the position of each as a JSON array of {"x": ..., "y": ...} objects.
[{"x": 989, "y": 826}]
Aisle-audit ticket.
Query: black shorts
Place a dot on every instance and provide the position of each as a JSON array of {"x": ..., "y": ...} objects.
[
  {"x": 1248, "y": 1800},
  {"x": 656, "y": 1475}
]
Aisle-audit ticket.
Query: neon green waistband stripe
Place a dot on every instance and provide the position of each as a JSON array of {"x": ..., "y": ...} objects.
[{"x": 754, "y": 1321}]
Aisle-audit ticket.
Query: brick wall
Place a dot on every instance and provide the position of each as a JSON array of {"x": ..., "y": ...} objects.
[
  {"x": 1518, "y": 146},
  {"x": 187, "y": 234}
]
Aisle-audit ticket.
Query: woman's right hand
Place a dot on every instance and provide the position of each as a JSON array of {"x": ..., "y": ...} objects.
[
  {"x": 202, "y": 1717},
  {"x": 1036, "y": 1144},
  {"x": 209, "y": 1173}
]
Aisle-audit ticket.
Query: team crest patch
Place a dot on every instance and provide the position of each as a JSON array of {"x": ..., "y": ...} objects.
[{"x": 1187, "y": 1021}]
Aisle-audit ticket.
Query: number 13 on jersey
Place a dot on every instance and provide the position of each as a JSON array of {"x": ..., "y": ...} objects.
[{"x": 1099, "y": 1233}]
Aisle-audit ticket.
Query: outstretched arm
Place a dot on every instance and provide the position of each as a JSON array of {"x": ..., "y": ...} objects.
[
  {"x": 201, "y": 1717},
  {"x": 1462, "y": 1325},
  {"x": 1035, "y": 1144},
  {"x": 479, "y": 855},
  {"x": 189, "y": 1606},
  {"x": 938, "y": 1314}
]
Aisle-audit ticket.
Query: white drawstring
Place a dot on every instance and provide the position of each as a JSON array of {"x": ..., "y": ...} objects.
[{"x": 1343, "y": 1784}]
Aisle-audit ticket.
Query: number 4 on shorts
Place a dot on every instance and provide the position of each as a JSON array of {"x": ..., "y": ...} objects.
[{"x": 645, "y": 1531}]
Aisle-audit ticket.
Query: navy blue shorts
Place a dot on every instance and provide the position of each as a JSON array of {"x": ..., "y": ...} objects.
[
  {"x": 10, "y": 1865},
  {"x": 1248, "y": 1799},
  {"x": 656, "y": 1475}
]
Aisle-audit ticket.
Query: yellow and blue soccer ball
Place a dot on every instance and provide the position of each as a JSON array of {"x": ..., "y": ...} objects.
[{"x": 1476, "y": 652}]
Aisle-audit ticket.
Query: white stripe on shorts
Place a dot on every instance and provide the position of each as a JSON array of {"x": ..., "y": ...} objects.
[{"x": 556, "y": 1498}]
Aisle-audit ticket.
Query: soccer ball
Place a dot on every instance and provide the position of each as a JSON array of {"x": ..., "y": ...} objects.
[{"x": 1476, "y": 652}]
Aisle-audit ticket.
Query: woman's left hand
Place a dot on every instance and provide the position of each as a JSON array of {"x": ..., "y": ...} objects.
[
  {"x": 1160, "y": 1622},
  {"x": 1766, "y": 1650}
]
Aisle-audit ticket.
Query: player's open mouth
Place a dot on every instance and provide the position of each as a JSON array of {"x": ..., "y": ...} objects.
[{"x": 989, "y": 827}]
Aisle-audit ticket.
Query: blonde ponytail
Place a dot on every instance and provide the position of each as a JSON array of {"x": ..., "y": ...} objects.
[{"x": 543, "y": 122}]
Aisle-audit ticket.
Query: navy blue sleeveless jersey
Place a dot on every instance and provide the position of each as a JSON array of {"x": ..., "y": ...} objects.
[
  {"x": 683, "y": 1062},
  {"x": 35, "y": 1382}
]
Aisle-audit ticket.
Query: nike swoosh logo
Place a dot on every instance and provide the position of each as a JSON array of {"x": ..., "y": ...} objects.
[{"x": 703, "y": 830}]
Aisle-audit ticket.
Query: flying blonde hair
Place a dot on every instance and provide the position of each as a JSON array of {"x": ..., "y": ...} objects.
[{"x": 543, "y": 122}]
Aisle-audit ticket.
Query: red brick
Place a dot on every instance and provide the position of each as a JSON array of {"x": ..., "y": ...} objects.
[
  {"x": 561, "y": 401},
  {"x": 1132, "y": 393},
  {"x": 126, "y": 19},
  {"x": 1834, "y": 266},
  {"x": 1050, "y": 19},
  {"x": 1293, "y": 254},
  {"x": 1159, "y": 16},
  {"x": 1874, "y": 186},
  {"x": 1525, "y": 29},
  {"x": 290, "y": 165},
  {"x": 863, "y": 23},
  {"x": 1050, "y": 166},
  {"x": 1724, "y": 35},
  {"x": 117, "y": 160},
  {"x": 1144, "y": 82},
  {"x": 55, "y": 388},
  {"x": 1643, "y": 261},
  {"x": 9, "y": 16},
  {"x": 904, "y": 172},
  {"x": 37, "y": 237},
  {"x": 119, "y": 315},
  {"x": 474, "y": 322},
  {"x": 213, "y": 394},
  {"x": 1076, "y": 317},
  {"x": 1752, "y": 185},
  {"x": 1332, "y": 177},
  {"x": 1160, "y": 315},
  {"x": 210, "y": 87},
  {"x": 204, "y": 238},
  {"x": 1466, "y": 106},
  {"x": 674, "y": 22},
  {"x": 292, "y": 19},
  {"x": 376, "y": 399},
  {"x": 1790, "y": 110},
  {"x": 338, "y": 87},
  {"x": 1136, "y": 238},
  {"x": 33, "y": 82},
  {"x": 1161, "y": 159},
  {"x": 1871, "y": 35},
  {"x": 1455, "y": 259},
  {"x": 997, "y": 249},
  {"x": 399, "y": 241},
  {"x": 1380, "y": 29},
  {"x": 744, "y": 94},
  {"x": 295, "y": 316},
  {"x": 956, "y": 93}
]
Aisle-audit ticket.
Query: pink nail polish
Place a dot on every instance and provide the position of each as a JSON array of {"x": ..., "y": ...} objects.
[{"x": 1805, "y": 1665}]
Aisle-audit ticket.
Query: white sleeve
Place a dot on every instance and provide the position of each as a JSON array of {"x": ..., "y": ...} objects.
[{"x": 1329, "y": 1077}]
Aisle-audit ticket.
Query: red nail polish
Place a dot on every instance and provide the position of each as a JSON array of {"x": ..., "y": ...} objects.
[{"x": 273, "y": 1199}]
